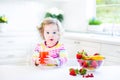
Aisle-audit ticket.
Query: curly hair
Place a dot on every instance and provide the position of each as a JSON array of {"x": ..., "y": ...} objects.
[{"x": 48, "y": 21}]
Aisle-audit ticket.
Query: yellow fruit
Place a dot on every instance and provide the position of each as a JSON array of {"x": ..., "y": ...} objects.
[
  {"x": 87, "y": 58},
  {"x": 97, "y": 57}
]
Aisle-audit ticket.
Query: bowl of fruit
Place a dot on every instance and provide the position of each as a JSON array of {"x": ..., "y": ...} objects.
[{"x": 90, "y": 62}]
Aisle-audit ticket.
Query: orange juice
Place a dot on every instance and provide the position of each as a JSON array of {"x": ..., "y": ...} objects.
[{"x": 42, "y": 57}]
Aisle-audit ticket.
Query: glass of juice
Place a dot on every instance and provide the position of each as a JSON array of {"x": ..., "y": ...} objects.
[{"x": 42, "y": 57}]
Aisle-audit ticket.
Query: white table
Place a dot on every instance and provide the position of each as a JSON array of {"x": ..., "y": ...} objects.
[{"x": 13, "y": 72}]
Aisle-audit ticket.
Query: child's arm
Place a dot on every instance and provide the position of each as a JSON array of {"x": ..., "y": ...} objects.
[
  {"x": 57, "y": 59},
  {"x": 62, "y": 58},
  {"x": 35, "y": 56}
]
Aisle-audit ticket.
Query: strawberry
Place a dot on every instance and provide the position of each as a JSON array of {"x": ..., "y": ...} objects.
[
  {"x": 78, "y": 56},
  {"x": 91, "y": 75},
  {"x": 96, "y": 54},
  {"x": 94, "y": 64},
  {"x": 88, "y": 76},
  {"x": 72, "y": 72},
  {"x": 85, "y": 64},
  {"x": 76, "y": 71},
  {"x": 80, "y": 62},
  {"x": 82, "y": 71}
]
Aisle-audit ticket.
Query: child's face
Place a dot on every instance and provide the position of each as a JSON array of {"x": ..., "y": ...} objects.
[{"x": 51, "y": 33}]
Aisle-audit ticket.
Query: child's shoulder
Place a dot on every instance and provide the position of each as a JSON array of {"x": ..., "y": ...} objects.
[
  {"x": 60, "y": 44},
  {"x": 40, "y": 44}
]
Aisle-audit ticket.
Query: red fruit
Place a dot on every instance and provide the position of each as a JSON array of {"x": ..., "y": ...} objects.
[
  {"x": 91, "y": 75},
  {"x": 85, "y": 64},
  {"x": 87, "y": 76},
  {"x": 83, "y": 76},
  {"x": 82, "y": 71},
  {"x": 78, "y": 56},
  {"x": 80, "y": 62},
  {"x": 72, "y": 72},
  {"x": 96, "y": 54},
  {"x": 94, "y": 64}
]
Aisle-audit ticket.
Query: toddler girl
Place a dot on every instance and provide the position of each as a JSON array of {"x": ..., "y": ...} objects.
[{"x": 51, "y": 51}]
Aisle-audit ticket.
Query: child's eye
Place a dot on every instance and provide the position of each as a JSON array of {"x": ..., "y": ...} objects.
[
  {"x": 54, "y": 32},
  {"x": 47, "y": 32}
]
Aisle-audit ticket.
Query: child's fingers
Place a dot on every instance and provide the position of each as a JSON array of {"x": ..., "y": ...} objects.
[
  {"x": 47, "y": 60},
  {"x": 37, "y": 61}
]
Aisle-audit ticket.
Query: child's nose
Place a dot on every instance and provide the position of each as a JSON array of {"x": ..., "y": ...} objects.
[{"x": 51, "y": 35}]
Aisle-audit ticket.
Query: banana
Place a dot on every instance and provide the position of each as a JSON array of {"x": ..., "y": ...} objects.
[
  {"x": 97, "y": 57},
  {"x": 87, "y": 57}
]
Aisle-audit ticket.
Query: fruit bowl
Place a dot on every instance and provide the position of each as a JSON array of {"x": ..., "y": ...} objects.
[{"x": 90, "y": 62}]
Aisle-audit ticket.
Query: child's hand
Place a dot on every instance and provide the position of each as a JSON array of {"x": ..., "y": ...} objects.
[
  {"x": 37, "y": 62},
  {"x": 50, "y": 60}
]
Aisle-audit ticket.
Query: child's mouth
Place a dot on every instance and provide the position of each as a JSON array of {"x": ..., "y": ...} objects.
[{"x": 51, "y": 39}]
